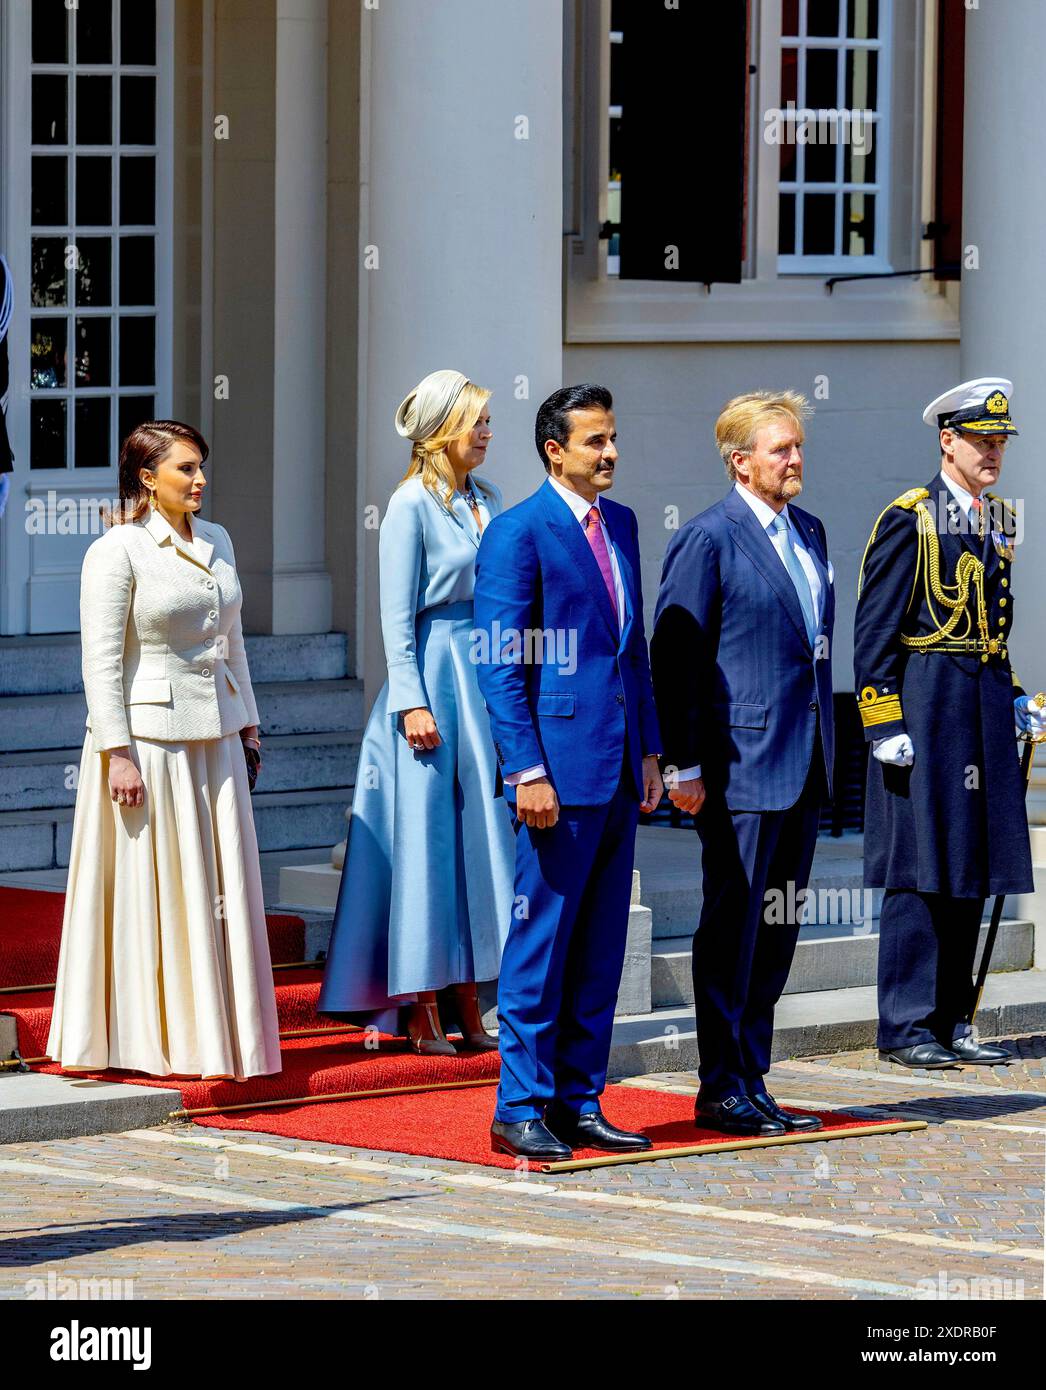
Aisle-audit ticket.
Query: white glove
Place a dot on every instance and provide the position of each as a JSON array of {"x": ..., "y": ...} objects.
[
  {"x": 897, "y": 750},
  {"x": 1029, "y": 716}
]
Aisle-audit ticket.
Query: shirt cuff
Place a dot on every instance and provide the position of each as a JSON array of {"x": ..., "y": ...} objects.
[
  {"x": 529, "y": 774},
  {"x": 686, "y": 774}
]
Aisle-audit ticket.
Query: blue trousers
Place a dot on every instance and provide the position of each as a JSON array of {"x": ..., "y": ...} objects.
[
  {"x": 927, "y": 947},
  {"x": 743, "y": 951},
  {"x": 561, "y": 967}
]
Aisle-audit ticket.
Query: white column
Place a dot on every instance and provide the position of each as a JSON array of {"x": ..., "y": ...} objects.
[
  {"x": 301, "y": 589},
  {"x": 1003, "y": 308},
  {"x": 1004, "y": 300},
  {"x": 461, "y": 234}
]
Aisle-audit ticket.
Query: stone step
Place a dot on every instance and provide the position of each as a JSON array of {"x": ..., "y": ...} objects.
[
  {"x": 293, "y": 762},
  {"x": 46, "y": 665},
  {"x": 669, "y": 862},
  {"x": 37, "y": 1105},
  {"x": 283, "y": 820},
  {"x": 825, "y": 960},
  {"x": 36, "y": 722},
  {"x": 311, "y": 890},
  {"x": 809, "y": 1025}
]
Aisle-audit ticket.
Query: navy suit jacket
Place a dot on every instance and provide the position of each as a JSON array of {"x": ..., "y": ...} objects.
[
  {"x": 588, "y": 696},
  {"x": 739, "y": 688}
]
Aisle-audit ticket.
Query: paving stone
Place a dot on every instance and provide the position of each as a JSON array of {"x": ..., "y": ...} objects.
[{"x": 972, "y": 1180}]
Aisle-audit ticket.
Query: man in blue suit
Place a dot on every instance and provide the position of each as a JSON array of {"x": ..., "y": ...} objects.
[
  {"x": 563, "y": 667},
  {"x": 740, "y": 657}
]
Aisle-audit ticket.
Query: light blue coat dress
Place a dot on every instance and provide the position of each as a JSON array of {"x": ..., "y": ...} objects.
[{"x": 426, "y": 892}]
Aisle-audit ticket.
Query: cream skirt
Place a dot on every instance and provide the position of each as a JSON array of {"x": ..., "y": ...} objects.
[{"x": 164, "y": 964}]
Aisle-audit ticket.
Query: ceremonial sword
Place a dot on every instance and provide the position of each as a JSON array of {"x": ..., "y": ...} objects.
[{"x": 1027, "y": 759}]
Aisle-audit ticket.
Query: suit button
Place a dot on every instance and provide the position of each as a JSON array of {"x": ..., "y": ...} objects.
[
  {"x": 813, "y": 704},
  {"x": 620, "y": 699},
  {"x": 206, "y": 671}
]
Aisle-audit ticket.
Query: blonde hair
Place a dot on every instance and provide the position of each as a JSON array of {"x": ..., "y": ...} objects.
[
  {"x": 429, "y": 458},
  {"x": 742, "y": 418}
]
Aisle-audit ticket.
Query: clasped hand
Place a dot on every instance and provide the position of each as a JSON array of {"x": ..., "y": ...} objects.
[{"x": 537, "y": 804}]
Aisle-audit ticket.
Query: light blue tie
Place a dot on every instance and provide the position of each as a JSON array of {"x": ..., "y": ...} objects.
[{"x": 797, "y": 575}]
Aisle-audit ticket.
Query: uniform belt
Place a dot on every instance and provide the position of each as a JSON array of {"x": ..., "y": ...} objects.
[{"x": 971, "y": 646}]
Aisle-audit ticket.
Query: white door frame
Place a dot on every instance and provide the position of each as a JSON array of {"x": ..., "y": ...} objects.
[{"x": 39, "y": 584}]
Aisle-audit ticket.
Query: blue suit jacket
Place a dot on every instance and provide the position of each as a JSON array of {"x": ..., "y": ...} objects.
[
  {"x": 588, "y": 695},
  {"x": 739, "y": 688}
]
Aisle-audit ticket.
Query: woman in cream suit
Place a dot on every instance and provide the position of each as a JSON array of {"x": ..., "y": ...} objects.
[
  {"x": 164, "y": 964},
  {"x": 426, "y": 891}
]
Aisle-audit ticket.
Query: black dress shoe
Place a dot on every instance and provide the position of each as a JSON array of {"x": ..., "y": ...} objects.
[
  {"x": 968, "y": 1049},
  {"x": 773, "y": 1111},
  {"x": 735, "y": 1115},
  {"x": 927, "y": 1054},
  {"x": 592, "y": 1131},
  {"x": 528, "y": 1139}
]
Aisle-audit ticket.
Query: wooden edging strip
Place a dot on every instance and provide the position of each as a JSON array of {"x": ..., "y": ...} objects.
[
  {"x": 726, "y": 1145},
  {"x": 337, "y": 1095}
]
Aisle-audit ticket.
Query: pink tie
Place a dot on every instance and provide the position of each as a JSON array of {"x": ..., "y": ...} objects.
[{"x": 594, "y": 532}]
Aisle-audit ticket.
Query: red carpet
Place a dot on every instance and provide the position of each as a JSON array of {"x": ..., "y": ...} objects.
[
  {"x": 441, "y": 1123},
  {"x": 455, "y": 1125},
  {"x": 31, "y": 929}
]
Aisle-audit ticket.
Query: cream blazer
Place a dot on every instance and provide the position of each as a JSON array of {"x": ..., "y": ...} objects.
[{"x": 162, "y": 644}]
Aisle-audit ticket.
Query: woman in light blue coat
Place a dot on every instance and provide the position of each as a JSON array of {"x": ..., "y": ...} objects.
[{"x": 426, "y": 891}]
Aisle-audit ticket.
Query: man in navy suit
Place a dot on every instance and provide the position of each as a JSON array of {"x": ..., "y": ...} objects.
[
  {"x": 742, "y": 676},
  {"x": 563, "y": 667}
]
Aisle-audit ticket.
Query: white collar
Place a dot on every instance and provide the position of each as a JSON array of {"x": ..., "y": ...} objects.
[
  {"x": 765, "y": 514},
  {"x": 577, "y": 504},
  {"x": 200, "y": 548},
  {"x": 964, "y": 498}
]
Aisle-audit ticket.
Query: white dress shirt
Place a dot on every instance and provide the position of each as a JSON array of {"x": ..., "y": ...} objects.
[
  {"x": 964, "y": 498},
  {"x": 581, "y": 509},
  {"x": 766, "y": 516}
]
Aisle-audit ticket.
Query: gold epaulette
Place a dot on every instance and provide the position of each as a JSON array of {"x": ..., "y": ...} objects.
[{"x": 908, "y": 501}]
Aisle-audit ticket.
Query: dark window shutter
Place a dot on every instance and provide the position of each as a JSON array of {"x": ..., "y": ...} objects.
[
  {"x": 684, "y": 75},
  {"x": 946, "y": 230}
]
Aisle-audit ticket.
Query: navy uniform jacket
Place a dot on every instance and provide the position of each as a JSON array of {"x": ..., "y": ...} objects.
[
  {"x": 955, "y": 821},
  {"x": 739, "y": 688}
]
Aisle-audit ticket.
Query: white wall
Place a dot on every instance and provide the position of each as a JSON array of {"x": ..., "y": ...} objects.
[{"x": 866, "y": 443}]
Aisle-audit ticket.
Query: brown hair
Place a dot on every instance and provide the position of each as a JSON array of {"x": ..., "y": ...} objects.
[{"x": 146, "y": 446}]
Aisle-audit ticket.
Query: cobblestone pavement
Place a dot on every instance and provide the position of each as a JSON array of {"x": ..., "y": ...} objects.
[{"x": 955, "y": 1209}]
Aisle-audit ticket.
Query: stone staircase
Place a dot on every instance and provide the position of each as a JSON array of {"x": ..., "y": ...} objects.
[
  {"x": 829, "y": 1003},
  {"x": 312, "y": 718}
]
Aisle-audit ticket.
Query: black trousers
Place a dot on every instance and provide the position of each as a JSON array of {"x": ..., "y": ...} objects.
[{"x": 927, "y": 946}]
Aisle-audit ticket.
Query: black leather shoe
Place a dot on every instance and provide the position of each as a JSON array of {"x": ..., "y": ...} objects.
[
  {"x": 927, "y": 1054},
  {"x": 528, "y": 1139},
  {"x": 592, "y": 1131},
  {"x": 735, "y": 1115},
  {"x": 770, "y": 1108},
  {"x": 968, "y": 1049}
]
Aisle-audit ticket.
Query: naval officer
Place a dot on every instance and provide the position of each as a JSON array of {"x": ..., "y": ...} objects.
[{"x": 945, "y": 822}]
